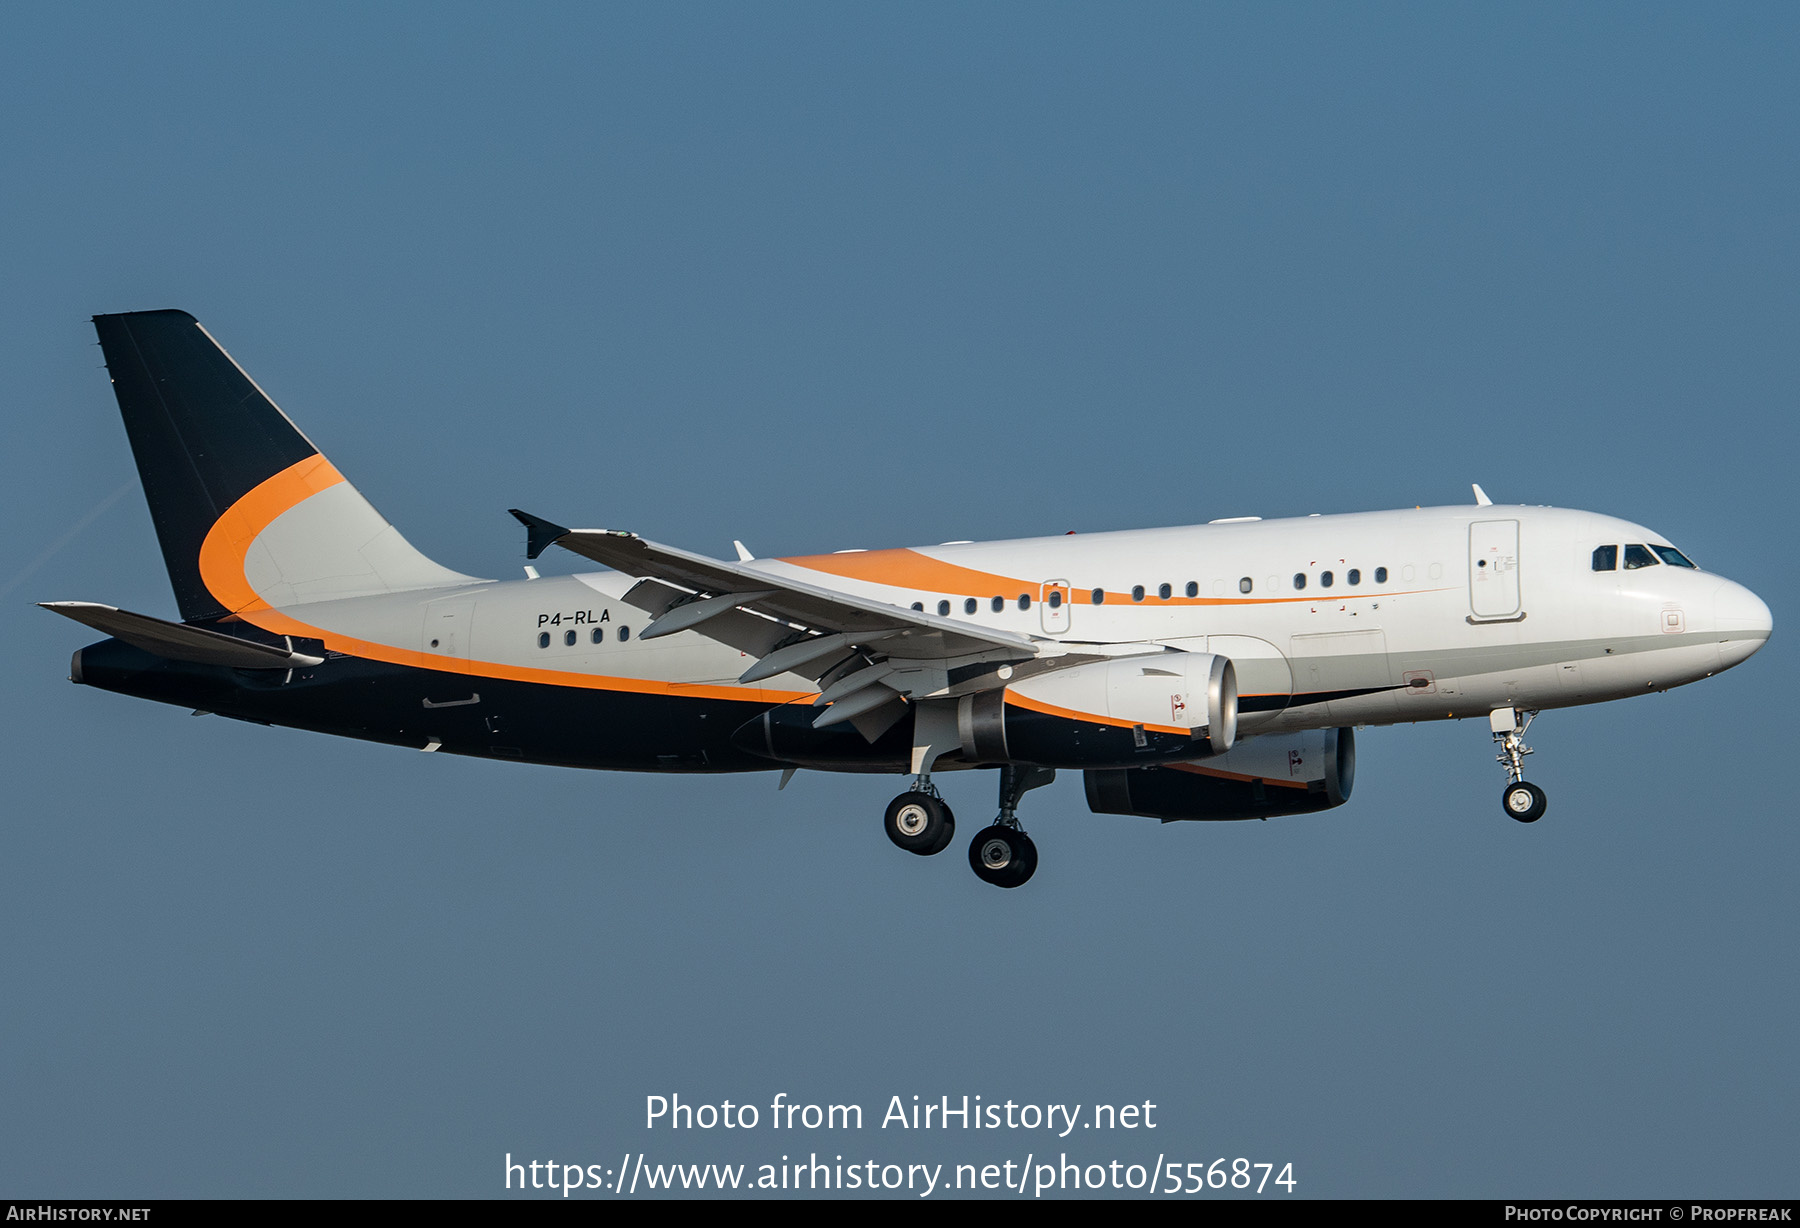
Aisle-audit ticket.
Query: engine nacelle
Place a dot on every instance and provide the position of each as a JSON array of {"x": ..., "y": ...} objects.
[
  {"x": 1285, "y": 773},
  {"x": 1178, "y": 705}
]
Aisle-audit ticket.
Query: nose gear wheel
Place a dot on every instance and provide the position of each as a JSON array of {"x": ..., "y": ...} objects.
[
  {"x": 1520, "y": 799},
  {"x": 1524, "y": 801}
]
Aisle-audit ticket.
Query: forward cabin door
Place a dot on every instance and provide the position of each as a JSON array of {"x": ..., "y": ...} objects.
[
  {"x": 1053, "y": 606},
  {"x": 1494, "y": 570}
]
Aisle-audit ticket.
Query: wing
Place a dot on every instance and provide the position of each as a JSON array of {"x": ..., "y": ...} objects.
[
  {"x": 716, "y": 586},
  {"x": 865, "y": 654}
]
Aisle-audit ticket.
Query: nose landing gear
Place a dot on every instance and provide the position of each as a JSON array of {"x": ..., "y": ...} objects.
[
  {"x": 1524, "y": 801},
  {"x": 1520, "y": 799}
]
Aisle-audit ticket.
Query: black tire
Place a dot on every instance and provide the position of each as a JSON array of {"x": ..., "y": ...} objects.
[
  {"x": 949, "y": 832},
  {"x": 1524, "y": 801},
  {"x": 1003, "y": 856},
  {"x": 919, "y": 823}
]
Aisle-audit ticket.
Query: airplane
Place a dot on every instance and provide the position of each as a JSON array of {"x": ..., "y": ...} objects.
[{"x": 1208, "y": 672}]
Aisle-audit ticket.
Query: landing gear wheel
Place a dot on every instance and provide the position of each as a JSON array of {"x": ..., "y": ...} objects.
[
  {"x": 948, "y": 831},
  {"x": 1524, "y": 801},
  {"x": 1003, "y": 856},
  {"x": 920, "y": 823}
]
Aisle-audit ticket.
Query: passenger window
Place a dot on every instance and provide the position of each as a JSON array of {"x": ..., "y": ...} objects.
[
  {"x": 568, "y": 639},
  {"x": 543, "y": 639},
  {"x": 599, "y": 635},
  {"x": 1673, "y": 557},
  {"x": 1056, "y": 599},
  {"x": 1244, "y": 585},
  {"x": 1637, "y": 556},
  {"x": 1355, "y": 576},
  {"x": 919, "y": 606},
  {"x": 1098, "y": 596},
  {"x": 999, "y": 603},
  {"x": 1381, "y": 575},
  {"x": 944, "y": 609},
  {"x": 1606, "y": 558},
  {"x": 1024, "y": 601},
  {"x": 1299, "y": 579},
  {"x": 1325, "y": 579},
  {"x": 1137, "y": 592},
  {"x": 624, "y": 634},
  {"x": 1164, "y": 591},
  {"x": 1193, "y": 588},
  {"x": 968, "y": 605}
]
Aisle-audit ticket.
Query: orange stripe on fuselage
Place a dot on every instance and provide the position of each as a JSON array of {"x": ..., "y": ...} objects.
[
  {"x": 228, "y": 543},
  {"x": 912, "y": 570},
  {"x": 920, "y": 573}
]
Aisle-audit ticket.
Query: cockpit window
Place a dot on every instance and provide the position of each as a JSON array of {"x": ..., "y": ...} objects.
[
  {"x": 1606, "y": 558},
  {"x": 1673, "y": 557},
  {"x": 1637, "y": 556}
]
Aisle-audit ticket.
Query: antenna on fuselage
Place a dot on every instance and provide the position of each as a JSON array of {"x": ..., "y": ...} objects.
[{"x": 1481, "y": 499}]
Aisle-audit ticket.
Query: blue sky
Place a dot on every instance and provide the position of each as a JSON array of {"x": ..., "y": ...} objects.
[{"x": 820, "y": 277}]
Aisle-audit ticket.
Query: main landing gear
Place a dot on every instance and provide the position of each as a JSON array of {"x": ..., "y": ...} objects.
[
  {"x": 1520, "y": 799},
  {"x": 1003, "y": 854},
  {"x": 921, "y": 822}
]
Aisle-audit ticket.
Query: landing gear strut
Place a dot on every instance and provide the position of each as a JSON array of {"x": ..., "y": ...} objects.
[
  {"x": 920, "y": 821},
  {"x": 1003, "y": 854},
  {"x": 1520, "y": 799}
]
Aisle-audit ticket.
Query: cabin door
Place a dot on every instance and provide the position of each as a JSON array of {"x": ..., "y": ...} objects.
[{"x": 1494, "y": 570}]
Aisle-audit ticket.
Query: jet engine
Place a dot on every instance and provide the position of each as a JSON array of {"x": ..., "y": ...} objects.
[
  {"x": 1287, "y": 773},
  {"x": 1176, "y": 705}
]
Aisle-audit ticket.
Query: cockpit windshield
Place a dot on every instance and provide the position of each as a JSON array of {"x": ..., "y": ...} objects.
[{"x": 1606, "y": 558}]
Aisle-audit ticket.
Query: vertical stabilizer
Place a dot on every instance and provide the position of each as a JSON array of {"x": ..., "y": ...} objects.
[{"x": 246, "y": 509}]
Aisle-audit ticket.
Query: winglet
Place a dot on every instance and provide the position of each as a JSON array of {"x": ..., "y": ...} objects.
[
  {"x": 1481, "y": 499},
  {"x": 540, "y": 534}
]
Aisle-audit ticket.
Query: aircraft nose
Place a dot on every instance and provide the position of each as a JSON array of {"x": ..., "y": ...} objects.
[{"x": 1743, "y": 622}]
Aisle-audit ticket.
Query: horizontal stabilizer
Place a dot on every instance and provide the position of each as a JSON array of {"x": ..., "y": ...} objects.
[{"x": 178, "y": 641}]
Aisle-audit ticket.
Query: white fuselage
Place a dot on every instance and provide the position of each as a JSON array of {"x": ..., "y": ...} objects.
[{"x": 1367, "y": 618}]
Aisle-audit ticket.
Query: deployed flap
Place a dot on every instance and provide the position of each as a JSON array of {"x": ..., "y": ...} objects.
[
  {"x": 905, "y": 633},
  {"x": 179, "y": 641}
]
